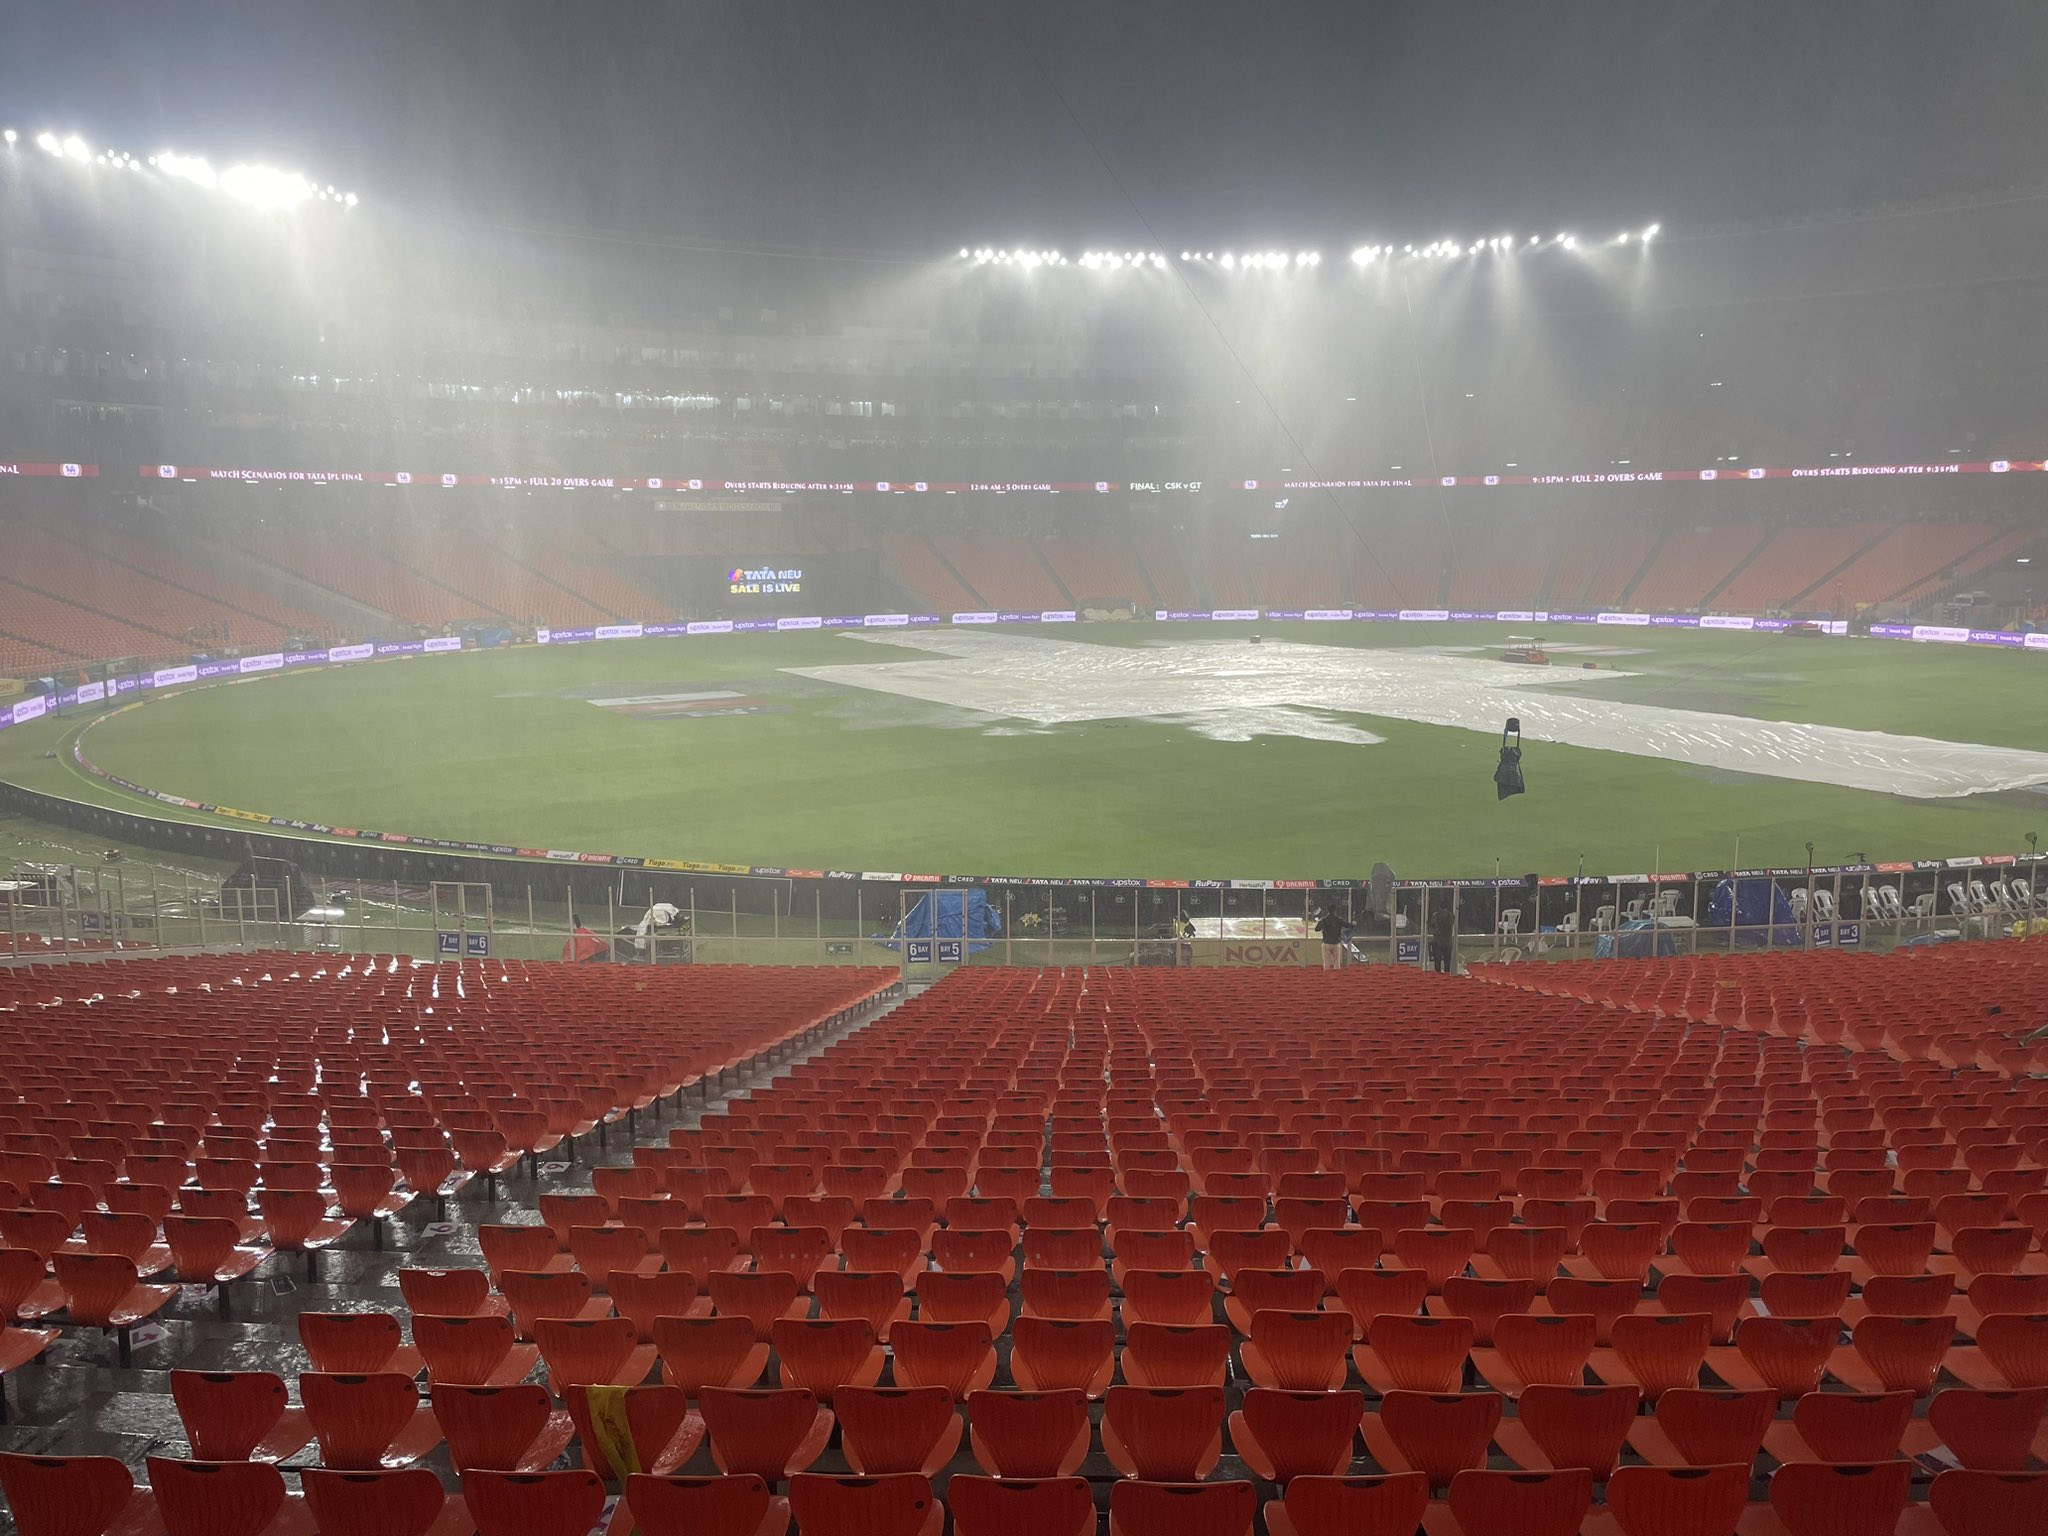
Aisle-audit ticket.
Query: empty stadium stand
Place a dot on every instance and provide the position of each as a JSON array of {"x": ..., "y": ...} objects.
[
  {"x": 1795, "y": 562},
  {"x": 1028, "y": 1249},
  {"x": 1692, "y": 563},
  {"x": 1398, "y": 566},
  {"x": 1597, "y": 566}
]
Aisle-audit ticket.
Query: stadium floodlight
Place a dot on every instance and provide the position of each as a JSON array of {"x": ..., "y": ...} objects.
[
  {"x": 47, "y": 143},
  {"x": 76, "y": 148},
  {"x": 1569, "y": 242},
  {"x": 1229, "y": 261},
  {"x": 1184, "y": 256},
  {"x": 1651, "y": 233},
  {"x": 1535, "y": 239},
  {"x": 192, "y": 168},
  {"x": 1622, "y": 238},
  {"x": 10, "y": 136},
  {"x": 265, "y": 187},
  {"x": 963, "y": 249}
]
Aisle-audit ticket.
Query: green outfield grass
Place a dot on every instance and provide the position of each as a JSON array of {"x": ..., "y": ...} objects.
[{"x": 505, "y": 747}]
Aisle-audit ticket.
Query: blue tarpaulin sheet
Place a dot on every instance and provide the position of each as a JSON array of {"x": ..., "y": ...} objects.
[
  {"x": 1754, "y": 908},
  {"x": 951, "y": 915},
  {"x": 1634, "y": 941}
]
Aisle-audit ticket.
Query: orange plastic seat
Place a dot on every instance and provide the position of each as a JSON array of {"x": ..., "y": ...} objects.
[
  {"x": 1298, "y": 1351},
  {"x": 406, "y": 1502},
  {"x": 1705, "y": 1427},
  {"x": 533, "y": 1503},
  {"x": 364, "y": 1423},
  {"x": 701, "y": 1251},
  {"x": 1336, "y": 1249},
  {"x": 1708, "y": 1247},
  {"x": 1414, "y": 1354},
  {"x": 1052, "y": 1506},
  {"x": 1526, "y": 1253},
  {"x": 1530, "y": 1348},
  {"x": 238, "y": 1415},
  {"x": 514, "y": 1428},
  {"x": 900, "y": 1505},
  {"x": 1367, "y": 1293},
  {"x": 1719, "y": 1297},
  {"x": 665, "y": 1433},
  {"x": 957, "y": 1356},
  {"x": 1282, "y": 1435},
  {"x": 360, "y": 1343},
  {"x": 450, "y": 1292},
  {"x": 1989, "y": 1431},
  {"x": 1788, "y": 1355},
  {"x": 1991, "y": 1250},
  {"x": 1391, "y": 1504},
  {"x": 736, "y": 1505},
  {"x": 1050, "y": 1355},
  {"x": 641, "y": 1298},
  {"x": 2015, "y": 1347},
  {"x": 1029, "y": 1434},
  {"x": 1063, "y": 1248},
  {"x": 1816, "y": 1499},
  {"x": 1072, "y": 1294},
  {"x": 889, "y": 1430},
  {"x": 1437, "y": 1434},
  {"x": 1559, "y": 1426},
  {"x": 878, "y": 1249},
  {"x": 1182, "y": 1509},
  {"x": 1229, "y": 1252},
  {"x": 1553, "y": 1503},
  {"x": 104, "y": 1292},
  {"x": 1656, "y": 1351},
  {"x": 983, "y": 1252},
  {"x": 1163, "y": 1434},
  {"x": 1678, "y": 1501},
  {"x": 1439, "y": 1252},
  {"x": 1182, "y": 1297},
  {"x": 1786, "y": 1293},
  {"x": 964, "y": 1296},
  {"x": 701, "y": 1352},
  {"x": 598, "y": 1251},
  {"x": 1898, "y": 1353},
  {"x": 593, "y": 1352},
  {"x": 770, "y": 1434},
  {"x": 26, "y": 1290},
  {"x": 827, "y": 1354},
  {"x": 472, "y": 1351},
  {"x": 1171, "y": 1355},
  {"x": 296, "y": 1221},
  {"x": 219, "y": 1498},
  {"x": 1842, "y": 1427},
  {"x": 1968, "y": 1502},
  {"x": 534, "y": 1295},
  {"x": 763, "y": 1298},
  {"x": 71, "y": 1495},
  {"x": 1484, "y": 1301},
  {"x": 1894, "y": 1248}
]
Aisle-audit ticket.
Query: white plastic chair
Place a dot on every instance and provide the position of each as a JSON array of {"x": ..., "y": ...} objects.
[{"x": 1824, "y": 906}]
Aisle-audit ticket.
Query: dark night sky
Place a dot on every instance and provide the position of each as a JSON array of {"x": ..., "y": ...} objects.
[{"x": 914, "y": 125}]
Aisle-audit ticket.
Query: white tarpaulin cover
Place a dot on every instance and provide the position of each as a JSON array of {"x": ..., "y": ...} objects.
[{"x": 1232, "y": 691}]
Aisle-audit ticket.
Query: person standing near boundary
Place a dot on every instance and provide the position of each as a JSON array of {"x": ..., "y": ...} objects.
[
  {"x": 1443, "y": 936},
  {"x": 1333, "y": 925}
]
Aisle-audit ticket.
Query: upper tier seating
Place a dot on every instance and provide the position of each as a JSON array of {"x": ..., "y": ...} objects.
[{"x": 1691, "y": 564}]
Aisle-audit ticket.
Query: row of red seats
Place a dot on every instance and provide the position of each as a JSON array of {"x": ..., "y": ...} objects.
[{"x": 1967, "y": 1006}]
